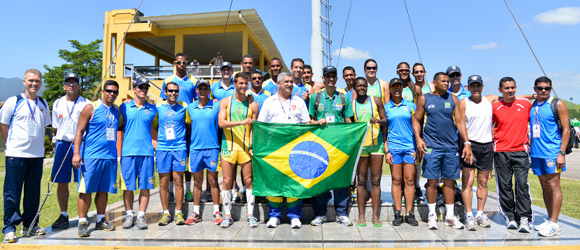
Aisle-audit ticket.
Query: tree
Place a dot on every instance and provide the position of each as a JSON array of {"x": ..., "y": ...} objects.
[{"x": 85, "y": 60}]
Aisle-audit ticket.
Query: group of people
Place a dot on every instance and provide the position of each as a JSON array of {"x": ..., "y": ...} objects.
[{"x": 442, "y": 129}]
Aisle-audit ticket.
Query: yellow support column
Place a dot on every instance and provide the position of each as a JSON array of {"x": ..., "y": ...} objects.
[
  {"x": 261, "y": 60},
  {"x": 178, "y": 43},
  {"x": 244, "y": 42}
]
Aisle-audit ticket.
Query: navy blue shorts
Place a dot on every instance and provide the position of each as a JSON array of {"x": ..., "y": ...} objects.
[
  {"x": 441, "y": 163},
  {"x": 61, "y": 157}
]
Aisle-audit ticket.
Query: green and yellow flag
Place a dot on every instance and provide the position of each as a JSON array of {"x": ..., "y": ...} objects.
[{"x": 301, "y": 161}]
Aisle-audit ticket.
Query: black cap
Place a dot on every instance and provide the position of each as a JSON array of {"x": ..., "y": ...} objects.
[
  {"x": 257, "y": 71},
  {"x": 453, "y": 69},
  {"x": 204, "y": 82},
  {"x": 226, "y": 64},
  {"x": 71, "y": 75},
  {"x": 141, "y": 81},
  {"x": 474, "y": 79},
  {"x": 395, "y": 81},
  {"x": 328, "y": 69}
]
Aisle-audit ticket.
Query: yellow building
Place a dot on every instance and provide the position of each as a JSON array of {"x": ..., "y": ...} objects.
[{"x": 199, "y": 36}]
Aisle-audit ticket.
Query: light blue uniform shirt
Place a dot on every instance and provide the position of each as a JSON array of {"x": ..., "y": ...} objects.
[
  {"x": 137, "y": 126},
  {"x": 400, "y": 127},
  {"x": 271, "y": 87},
  {"x": 204, "y": 125},
  {"x": 95, "y": 144},
  {"x": 218, "y": 92},
  {"x": 260, "y": 97},
  {"x": 463, "y": 93},
  {"x": 187, "y": 92},
  {"x": 170, "y": 116},
  {"x": 547, "y": 146}
]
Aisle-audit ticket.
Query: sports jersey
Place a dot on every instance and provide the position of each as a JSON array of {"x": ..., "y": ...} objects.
[
  {"x": 511, "y": 125},
  {"x": 238, "y": 137},
  {"x": 186, "y": 85},
  {"x": 270, "y": 86},
  {"x": 463, "y": 93},
  {"x": 349, "y": 92},
  {"x": 137, "y": 123},
  {"x": 277, "y": 111},
  {"x": 408, "y": 94},
  {"x": 363, "y": 112},
  {"x": 218, "y": 92},
  {"x": 440, "y": 130},
  {"x": 300, "y": 88},
  {"x": 330, "y": 106},
  {"x": 547, "y": 144},
  {"x": 171, "y": 117},
  {"x": 260, "y": 97},
  {"x": 65, "y": 117},
  {"x": 95, "y": 144},
  {"x": 376, "y": 89},
  {"x": 478, "y": 120},
  {"x": 204, "y": 125},
  {"x": 400, "y": 135}
]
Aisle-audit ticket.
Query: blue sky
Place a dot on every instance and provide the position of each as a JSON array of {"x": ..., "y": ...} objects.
[{"x": 479, "y": 36}]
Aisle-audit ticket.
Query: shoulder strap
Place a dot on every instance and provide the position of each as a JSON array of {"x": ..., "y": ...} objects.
[
  {"x": 554, "y": 106},
  {"x": 316, "y": 102},
  {"x": 19, "y": 99}
]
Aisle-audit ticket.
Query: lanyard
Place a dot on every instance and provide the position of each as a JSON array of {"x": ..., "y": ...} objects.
[
  {"x": 537, "y": 112},
  {"x": 30, "y": 108},
  {"x": 289, "y": 106},
  {"x": 108, "y": 115},
  {"x": 73, "y": 108},
  {"x": 172, "y": 114},
  {"x": 333, "y": 103}
]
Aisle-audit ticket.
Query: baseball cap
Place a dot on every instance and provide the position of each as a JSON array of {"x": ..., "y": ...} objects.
[
  {"x": 474, "y": 79},
  {"x": 257, "y": 71},
  {"x": 395, "y": 81},
  {"x": 453, "y": 69},
  {"x": 71, "y": 75},
  {"x": 328, "y": 69},
  {"x": 226, "y": 64},
  {"x": 204, "y": 82},
  {"x": 141, "y": 81}
]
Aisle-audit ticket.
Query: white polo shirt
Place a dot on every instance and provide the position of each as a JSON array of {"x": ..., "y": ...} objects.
[
  {"x": 65, "y": 117},
  {"x": 27, "y": 123},
  {"x": 275, "y": 110}
]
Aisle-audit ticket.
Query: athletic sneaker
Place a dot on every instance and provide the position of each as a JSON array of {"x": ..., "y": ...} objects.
[
  {"x": 512, "y": 225},
  {"x": 227, "y": 222},
  {"x": 295, "y": 223},
  {"x": 188, "y": 196},
  {"x": 36, "y": 230},
  {"x": 171, "y": 197},
  {"x": 217, "y": 218},
  {"x": 482, "y": 221},
  {"x": 470, "y": 223},
  {"x": 84, "y": 229},
  {"x": 453, "y": 222},
  {"x": 252, "y": 221},
  {"x": 104, "y": 225},
  {"x": 419, "y": 195},
  {"x": 128, "y": 222},
  {"x": 179, "y": 219},
  {"x": 398, "y": 218},
  {"x": 410, "y": 219},
  {"x": 60, "y": 223},
  {"x": 194, "y": 219},
  {"x": 318, "y": 220},
  {"x": 206, "y": 197},
  {"x": 344, "y": 220},
  {"x": 432, "y": 222},
  {"x": 552, "y": 229},
  {"x": 544, "y": 224},
  {"x": 10, "y": 238},
  {"x": 165, "y": 219},
  {"x": 141, "y": 224},
  {"x": 524, "y": 226},
  {"x": 273, "y": 222}
]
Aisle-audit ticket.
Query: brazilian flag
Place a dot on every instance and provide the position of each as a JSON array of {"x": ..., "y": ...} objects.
[{"x": 303, "y": 160}]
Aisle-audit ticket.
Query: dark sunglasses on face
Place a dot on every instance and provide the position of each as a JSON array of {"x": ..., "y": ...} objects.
[
  {"x": 180, "y": 62},
  {"x": 110, "y": 91},
  {"x": 143, "y": 86},
  {"x": 544, "y": 88},
  {"x": 257, "y": 78},
  {"x": 455, "y": 75},
  {"x": 371, "y": 68},
  {"x": 70, "y": 83},
  {"x": 511, "y": 87},
  {"x": 419, "y": 71},
  {"x": 403, "y": 70},
  {"x": 172, "y": 91}
]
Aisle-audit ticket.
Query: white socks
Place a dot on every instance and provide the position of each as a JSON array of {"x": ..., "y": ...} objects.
[
  {"x": 479, "y": 213},
  {"x": 449, "y": 210},
  {"x": 431, "y": 207},
  {"x": 166, "y": 211},
  {"x": 100, "y": 217},
  {"x": 227, "y": 201},
  {"x": 196, "y": 208},
  {"x": 141, "y": 214},
  {"x": 64, "y": 213},
  {"x": 129, "y": 212},
  {"x": 216, "y": 208},
  {"x": 250, "y": 198},
  {"x": 82, "y": 220}
]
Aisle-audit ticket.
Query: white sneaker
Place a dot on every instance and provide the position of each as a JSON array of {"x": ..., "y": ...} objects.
[
  {"x": 318, "y": 220},
  {"x": 295, "y": 223},
  {"x": 10, "y": 238},
  {"x": 273, "y": 222},
  {"x": 544, "y": 224},
  {"x": 512, "y": 225},
  {"x": 524, "y": 226},
  {"x": 344, "y": 220},
  {"x": 552, "y": 229},
  {"x": 482, "y": 220},
  {"x": 454, "y": 222},
  {"x": 432, "y": 222},
  {"x": 470, "y": 223}
]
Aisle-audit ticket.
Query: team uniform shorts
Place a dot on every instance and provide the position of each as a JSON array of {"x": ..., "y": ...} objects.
[
  {"x": 137, "y": 172},
  {"x": 441, "y": 163},
  {"x": 541, "y": 166},
  {"x": 373, "y": 150},
  {"x": 61, "y": 157},
  {"x": 236, "y": 156},
  {"x": 167, "y": 161},
  {"x": 97, "y": 175},
  {"x": 200, "y": 159},
  {"x": 403, "y": 155},
  {"x": 483, "y": 154}
]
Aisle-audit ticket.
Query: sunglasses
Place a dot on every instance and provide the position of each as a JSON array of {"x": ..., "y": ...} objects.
[
  {"x": 455, "y": 75},
  {"x": 419, "y": 71},
  {"x": 143, "y": 86},
  {"x": 398, "y": 86},
  {"x": 544, "y": 88},
  {"x": 70, "y": 83},
  {"x": 371, "y": 68},
  {"x": 257, "y": 78},
  {"x": 512, "y": 87},
  {"x": 110, "y": 91},
  {"x": 180, "y": 62},
  {"x": 404, "y": 70},
  {"x": 172, "y": 91}
]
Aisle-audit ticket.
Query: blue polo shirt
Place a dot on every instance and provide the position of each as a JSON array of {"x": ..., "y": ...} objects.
[
  {"x": 270, "y": 86},
  {"x": 218, "y": 92},
  {"x": 204, "y": 125},
  {"x": 463, "y": 93},
  {"x": 400, "y": 127},
  {"x": 187, "y": 85},
  {"x": 137, "y": 126},
  {"x": 170, "y": 116},
  {"x": 260, "y": 97}
]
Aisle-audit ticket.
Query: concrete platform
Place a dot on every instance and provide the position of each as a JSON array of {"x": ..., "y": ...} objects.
[{"x": 329, "y": 235}]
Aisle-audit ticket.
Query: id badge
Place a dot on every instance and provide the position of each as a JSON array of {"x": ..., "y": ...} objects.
[
  {"x": 32, "y": 129},
  {"x": 169, "y": 133},
  {"x": 536, "y": 130},
  {"x": 68, "y": 127},
  {"x": 330, "y": 118},
  {"x": 111, "y": 134}
]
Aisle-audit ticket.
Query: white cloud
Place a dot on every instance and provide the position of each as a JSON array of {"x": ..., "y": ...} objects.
[
  {"x": 352, "y": 53},
  {"x": 566, "y": 15},
  {"x": 484, "y": 46}
]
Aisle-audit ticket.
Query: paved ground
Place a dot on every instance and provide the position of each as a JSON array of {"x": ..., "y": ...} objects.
[
  {"x": 330, "y": 235},
  {"x": 573, "y": 165}
]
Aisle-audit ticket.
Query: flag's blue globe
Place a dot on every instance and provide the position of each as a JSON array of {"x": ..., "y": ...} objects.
[{"x": 308, "y": 160}]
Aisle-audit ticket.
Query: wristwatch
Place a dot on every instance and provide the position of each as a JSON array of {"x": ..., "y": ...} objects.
[{"x": 563, "y": 153}]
